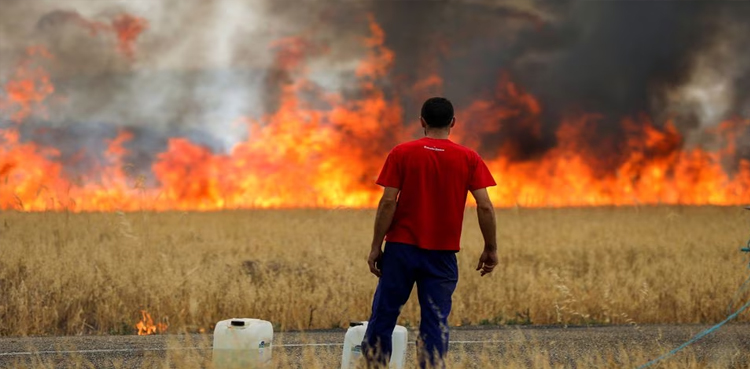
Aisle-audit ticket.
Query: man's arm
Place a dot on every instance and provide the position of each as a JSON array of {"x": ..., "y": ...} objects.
[
  {"x": 488, "y": 226},
  {"x": 383, "y": 219}
]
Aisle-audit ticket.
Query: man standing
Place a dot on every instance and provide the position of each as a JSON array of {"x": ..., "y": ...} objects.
[{"x": 420, "y": 214}]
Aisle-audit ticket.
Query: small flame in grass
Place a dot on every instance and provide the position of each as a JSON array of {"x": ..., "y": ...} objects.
[{"x": 146, "y": 326}]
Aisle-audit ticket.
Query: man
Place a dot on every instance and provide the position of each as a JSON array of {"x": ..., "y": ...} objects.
[{"x": 420, "y": 216}]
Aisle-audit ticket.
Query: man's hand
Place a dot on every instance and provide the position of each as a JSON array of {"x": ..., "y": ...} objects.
[
  {"x": 383, "y": 219},
  {"x": 373, "y": 260},
  {"x": 486, "y": 217},
  {"x": 487, "y": 262}
]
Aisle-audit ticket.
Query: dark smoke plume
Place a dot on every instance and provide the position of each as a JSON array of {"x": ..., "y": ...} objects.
[{"x": 615, "y": 58}]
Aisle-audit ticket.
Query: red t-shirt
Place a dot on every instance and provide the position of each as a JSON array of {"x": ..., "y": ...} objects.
[{"x": 434, "y": 177}]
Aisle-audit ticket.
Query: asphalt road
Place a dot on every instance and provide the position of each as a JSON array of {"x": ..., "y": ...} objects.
[{"x": 728, "y": 347}]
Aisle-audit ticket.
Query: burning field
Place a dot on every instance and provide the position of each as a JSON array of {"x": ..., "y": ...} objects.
[
  {"x": 121, "y": 108},
  {"x": 166, "y": 165}
]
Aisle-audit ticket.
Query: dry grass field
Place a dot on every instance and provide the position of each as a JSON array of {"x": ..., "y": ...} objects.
[{"x": 92, "y": 273}]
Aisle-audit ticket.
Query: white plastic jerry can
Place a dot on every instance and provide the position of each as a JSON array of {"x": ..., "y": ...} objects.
[
  {"x": 352, "y": 354},
  {"x": 242, "y": 343}
]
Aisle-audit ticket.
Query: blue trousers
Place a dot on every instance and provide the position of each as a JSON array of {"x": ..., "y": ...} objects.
[{"x": 436, "y": 276}]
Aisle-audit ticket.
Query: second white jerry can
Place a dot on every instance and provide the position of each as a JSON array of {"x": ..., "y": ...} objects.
[{"x": 352, "y": 354}]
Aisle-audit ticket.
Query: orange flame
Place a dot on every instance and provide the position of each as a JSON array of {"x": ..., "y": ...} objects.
[
  {"x": 29, "y": 87},
  {"x": 147, "y": 327},
  {"x": 307, "y": 156},
  {"x": 650, "y": 168},
  {"x": 128, "y": 28}
]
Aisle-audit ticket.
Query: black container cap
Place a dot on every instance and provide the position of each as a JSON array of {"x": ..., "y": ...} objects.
[
  {"x": 238, "y": 323},
  {"x": 355, "y": 324}
]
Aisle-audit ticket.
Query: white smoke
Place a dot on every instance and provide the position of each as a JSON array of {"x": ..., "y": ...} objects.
[{"x": 198, "y": 68}]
